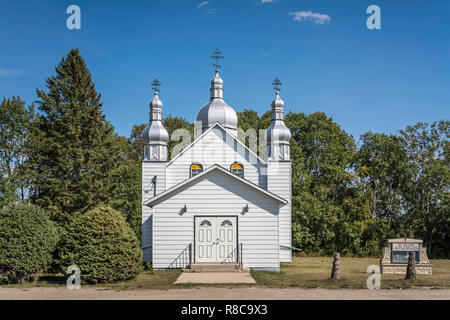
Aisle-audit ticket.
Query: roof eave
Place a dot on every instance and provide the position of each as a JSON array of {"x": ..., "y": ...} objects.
[{"x": 215, "y": 167}]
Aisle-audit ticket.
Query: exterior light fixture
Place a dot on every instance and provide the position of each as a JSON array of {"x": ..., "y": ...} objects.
[
  {"x": 246, "y": 208},
  {"x": 184, "y": 209},
  {"x": 154, "y": 185}
]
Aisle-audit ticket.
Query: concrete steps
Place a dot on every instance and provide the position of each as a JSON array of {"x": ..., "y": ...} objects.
[{"x": 208, "y": 267}]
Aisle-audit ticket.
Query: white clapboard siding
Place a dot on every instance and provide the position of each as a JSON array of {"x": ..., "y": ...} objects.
[
  {"x": 216, "y": 147},
  {"x": 149, "y": 170},
  {"x": 216, "y": 194},
  {"x": 279, "y": 182}
]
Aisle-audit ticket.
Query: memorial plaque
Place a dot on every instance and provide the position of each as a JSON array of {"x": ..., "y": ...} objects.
[
  {"x": 396, "y": 254},
  {"x": 403, "y": 246},
  {"x": 400, "y": 251}
]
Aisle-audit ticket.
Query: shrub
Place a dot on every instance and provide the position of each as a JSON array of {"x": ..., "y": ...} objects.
[
  {"x": 148, "y": 267},
  {"x": 27, "y": 242},
  {"x": 103, "y": 245}
]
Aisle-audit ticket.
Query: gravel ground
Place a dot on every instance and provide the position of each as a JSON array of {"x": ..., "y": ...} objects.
[{"x": 211, "y": 293}]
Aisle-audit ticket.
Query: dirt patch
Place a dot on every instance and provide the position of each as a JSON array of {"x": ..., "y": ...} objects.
[{"x": 212, "y": 293}]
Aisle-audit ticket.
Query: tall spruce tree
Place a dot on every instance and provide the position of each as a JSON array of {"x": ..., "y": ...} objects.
[{"x": 74, "y": 148}]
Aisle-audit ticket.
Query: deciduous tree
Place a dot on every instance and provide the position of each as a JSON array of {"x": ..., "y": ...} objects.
[{"x": 15, "y": 121}]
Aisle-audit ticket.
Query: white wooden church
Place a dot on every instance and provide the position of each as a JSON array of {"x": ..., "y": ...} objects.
[{"x": 216, "y": 202}]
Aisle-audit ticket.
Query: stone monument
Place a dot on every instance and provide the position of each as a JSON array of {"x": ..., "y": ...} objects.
[{"x": 395, "y": 256}]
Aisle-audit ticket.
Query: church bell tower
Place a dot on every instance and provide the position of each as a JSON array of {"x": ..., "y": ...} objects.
[
  {"x": 155, "y": 138},
  {"x": 279, "y": 170}
]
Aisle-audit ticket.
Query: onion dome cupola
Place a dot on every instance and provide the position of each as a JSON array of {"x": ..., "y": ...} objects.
[
  {"x": 278, "y": 134},
  {"x": 155, "y": 136},
  {"x": 216, "y": 110}
]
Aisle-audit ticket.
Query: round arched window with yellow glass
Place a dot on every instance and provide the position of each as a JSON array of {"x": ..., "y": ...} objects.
[
  {"x": 196, "y": 168},
  {"x": 237, "y": 169}
]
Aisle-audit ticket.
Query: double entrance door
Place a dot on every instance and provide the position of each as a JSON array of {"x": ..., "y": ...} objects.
[{"x": 215, "y": 239}]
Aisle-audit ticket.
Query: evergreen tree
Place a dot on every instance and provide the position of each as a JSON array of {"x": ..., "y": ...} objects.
[
  {"x": 75, "y": 149},
  {"x": 125, "y": 193},
  {"x": 27, "y": 242},
  {"x": 103, "y": 245}
]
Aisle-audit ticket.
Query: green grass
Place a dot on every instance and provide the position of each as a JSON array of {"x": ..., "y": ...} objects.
[
  {"x": 145, "y": 280},
  {"x": 304, "y": 272},
  {"x": 314, "y": 272}
]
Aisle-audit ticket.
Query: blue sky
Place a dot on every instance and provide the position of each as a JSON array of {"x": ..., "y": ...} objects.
[{"x": 378, "y": 80}]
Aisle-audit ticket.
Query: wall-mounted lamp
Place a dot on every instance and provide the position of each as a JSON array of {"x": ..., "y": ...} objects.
[
  {"x": 246, "y": 208},
  {"x": 184, "y": 209},
  {"x": 154, "y": 185}
]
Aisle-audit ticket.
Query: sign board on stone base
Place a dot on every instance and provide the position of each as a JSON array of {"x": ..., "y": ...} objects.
[{"x": 395, "y": 256}]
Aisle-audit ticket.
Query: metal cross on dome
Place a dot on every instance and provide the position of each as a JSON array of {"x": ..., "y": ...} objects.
[
  {"x": 155, "y": 85},
  {"x": 217, "y": 56},
  {"x": 277, "y": 84}
]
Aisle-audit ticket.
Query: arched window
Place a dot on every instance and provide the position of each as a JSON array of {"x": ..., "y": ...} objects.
[
  {"x": 226, "y": 223},
  {"x": 205, "y": 223},
  {"x": 237, "y": 169},
  {"x": 196, "y": 168}
]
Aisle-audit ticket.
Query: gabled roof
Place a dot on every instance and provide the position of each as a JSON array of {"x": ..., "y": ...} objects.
[
  {"x": 208, "y": 171},
  {"x": 217, "y": 124}
]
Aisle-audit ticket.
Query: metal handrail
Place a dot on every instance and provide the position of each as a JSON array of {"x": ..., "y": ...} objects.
[
  {"x": 241, "y": 263},
  {"x": 184, "y": 259},
  {"x": 230, "y": 256},
  {"x": 237, "y": 252},
  {"x": 190, "y": 254}
]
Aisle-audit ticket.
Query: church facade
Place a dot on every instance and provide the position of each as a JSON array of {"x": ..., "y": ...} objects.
[{"x": 216, "y": 201}]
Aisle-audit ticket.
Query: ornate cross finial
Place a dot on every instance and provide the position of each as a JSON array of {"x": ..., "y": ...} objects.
[
  {"x": 277, "y": 84},
  {"x": 155, "y": 85},
  {"x": 217, "y": 56}
]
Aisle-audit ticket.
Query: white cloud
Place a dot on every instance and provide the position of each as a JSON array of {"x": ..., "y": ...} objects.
[
  {"x": 212, "y": 11},
  {"x": 5, "y": 73},
  {"x": 317, "y": 18},
  {"x": 266, "y": 1},
  {"x": 204, "y": 3}
]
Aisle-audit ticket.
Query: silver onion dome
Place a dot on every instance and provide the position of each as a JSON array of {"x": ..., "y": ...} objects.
[
  {"x": 278, "y": 132},
  {"x": 217, "y": 110},
  {"x": 155, "y": 133}
]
